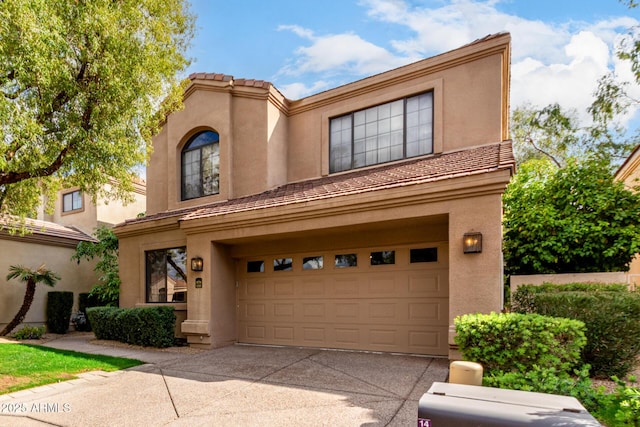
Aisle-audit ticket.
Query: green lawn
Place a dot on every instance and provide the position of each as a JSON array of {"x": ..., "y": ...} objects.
[{"x": 24, "y": 366}]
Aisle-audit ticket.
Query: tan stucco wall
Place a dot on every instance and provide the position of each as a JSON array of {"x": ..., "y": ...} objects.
[
  {"x": 266, "y": 141},
  {"x": 74, "y": 277},
  {"x": 115, "y": 211},
  {"x": 132, "y": 269}
]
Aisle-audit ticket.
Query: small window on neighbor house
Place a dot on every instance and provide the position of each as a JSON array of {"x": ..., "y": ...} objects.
[
  {"x": 255, "y": 267},
  {"x": 166, "y": 277},
  {"x": 346, "y": 260},
  {"x": 312, "y": 263},
  {"x": 383, "y": 257},
  {"x": 72, "y": 201},
  {"x": 283, "y": 264},
  {"x": 424, "y": 255}
]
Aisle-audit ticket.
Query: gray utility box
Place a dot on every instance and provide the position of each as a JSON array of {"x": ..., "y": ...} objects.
[{"x": 458, "y": 405}]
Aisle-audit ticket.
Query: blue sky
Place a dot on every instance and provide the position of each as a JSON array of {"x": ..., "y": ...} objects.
[{"x": 560, "y": 47}]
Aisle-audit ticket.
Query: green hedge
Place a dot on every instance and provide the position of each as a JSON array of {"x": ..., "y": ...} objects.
[
  {"x": 612, "y": 320},
  {"x": 59, "y": 306},
  {"x": 523, "y": 300},
  {"x": 146, "y": 326},
  {"x": 514, "y": 342}
]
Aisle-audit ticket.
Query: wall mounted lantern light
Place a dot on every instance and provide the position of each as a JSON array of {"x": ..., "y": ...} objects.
[
  {"x": 196, "y": 264},
  {"x": 472, "y": 243}
]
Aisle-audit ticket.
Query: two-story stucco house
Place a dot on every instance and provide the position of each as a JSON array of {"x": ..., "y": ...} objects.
[{"x": 363, "y": 217}]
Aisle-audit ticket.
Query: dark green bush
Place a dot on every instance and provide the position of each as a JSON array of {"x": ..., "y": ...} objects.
[
  {"x": 59, "y": 306},
  {"x": 522, "y": 300},
  {"x": 577, "y": 384},
  {"x": 518, "y": 342},
  {"x": 103, "y": 322},
  {"x": 146, "y": 326},
  {"x": 29, "y": 332},
  {"x": 612, "y": 320}
]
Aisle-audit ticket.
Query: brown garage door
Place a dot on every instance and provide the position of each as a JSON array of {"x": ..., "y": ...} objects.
[{"x": 390, "y": 299}]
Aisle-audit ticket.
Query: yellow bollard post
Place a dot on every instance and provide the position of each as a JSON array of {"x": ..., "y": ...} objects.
[{"x": 462, "y": 372}]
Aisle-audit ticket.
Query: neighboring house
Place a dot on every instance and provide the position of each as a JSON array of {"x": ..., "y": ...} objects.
[
  {"x": 50, "y": 244},
  {"x": 629, "y": 173},
  {"x": 338, "y": 220},
  {"x": 52, "y": 241},
  {"x": 75, "y": 208}
]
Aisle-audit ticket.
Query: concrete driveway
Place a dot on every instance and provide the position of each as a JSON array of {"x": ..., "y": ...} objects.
[{"x": 232, "y": 386}]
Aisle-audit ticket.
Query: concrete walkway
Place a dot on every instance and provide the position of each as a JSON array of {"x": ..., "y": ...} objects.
[{"x": 232, "y": 386}]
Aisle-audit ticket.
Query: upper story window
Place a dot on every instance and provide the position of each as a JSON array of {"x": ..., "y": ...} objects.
[
  {"x": 72, "y": 201},
  {"x": 387, "y": 132},
  {"x": 201, "y": 165}
]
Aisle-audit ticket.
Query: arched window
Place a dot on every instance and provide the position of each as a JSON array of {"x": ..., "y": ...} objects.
[{"x": 201, "y": 165}]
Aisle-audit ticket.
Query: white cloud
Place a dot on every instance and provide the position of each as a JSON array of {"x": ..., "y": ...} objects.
[
  {"x": 300, "y": 90},
  {"x": 551, "y": 62},
  {"x": 571, "y": 83},
  {"x": 340, "y": 53}
]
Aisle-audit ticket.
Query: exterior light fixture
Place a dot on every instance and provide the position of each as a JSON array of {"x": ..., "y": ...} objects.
[
  {"x": 472, "y": 243},
  {"x": 196, "y": 264}
]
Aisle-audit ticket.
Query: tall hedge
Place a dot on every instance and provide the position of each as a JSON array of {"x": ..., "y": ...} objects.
[
  {"x": 146, "y": 326},
  {"x": 612, "y": 320},
  {"x": 523, "y": 300},
  {"x": 59, "y": 306}
]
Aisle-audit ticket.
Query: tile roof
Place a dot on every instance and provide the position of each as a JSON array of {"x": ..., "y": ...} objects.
[
  {"x": 227, "y": 78},
  {"x": 473, "y": 161},
  {"x": 37, "y": 227}
]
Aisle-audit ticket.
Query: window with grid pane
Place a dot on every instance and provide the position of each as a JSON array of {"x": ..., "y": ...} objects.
[
  {"x": 201, "y": 166},
  {"x": 386, "y": 132}
]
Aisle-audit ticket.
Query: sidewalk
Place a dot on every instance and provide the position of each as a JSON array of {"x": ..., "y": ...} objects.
[{"x": 231, "y": 386}]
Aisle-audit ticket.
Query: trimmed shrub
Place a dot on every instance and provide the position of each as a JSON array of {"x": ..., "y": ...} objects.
[
  {"x": 523, "y": 300},
  {"x": 612, "y": 320},
  {"x": 577, "y": 384},
  {"x": 514, "y": 342},
  {"x": 145, "y": 326},
  {"x": 103, "y": 322},
  {"x": 59, "y": 306},
  {"x": 30, "y": 332}
]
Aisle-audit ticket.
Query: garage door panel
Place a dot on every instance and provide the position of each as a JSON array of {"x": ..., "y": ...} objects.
[
  {"x": 423, "y": 340},
  {"x": 392, "y": 311},
  {"x": 313, "y": 287},
  {"x": 284, "y": 333},
  {"x": 397, "y": 308},
  {"x": 429, "y": 284}
]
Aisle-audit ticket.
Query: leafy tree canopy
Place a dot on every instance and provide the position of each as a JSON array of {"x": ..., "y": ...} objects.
[
  {"x": 84, "y": 85},
  {"x": 571, "y": 219},
  {"x": 107, "y": 290}
]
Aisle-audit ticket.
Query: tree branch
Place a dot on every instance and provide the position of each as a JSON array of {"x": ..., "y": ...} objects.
[{"x": 530, "y": 140}]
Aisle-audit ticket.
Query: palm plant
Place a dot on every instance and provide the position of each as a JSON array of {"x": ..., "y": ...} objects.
[{"x": 31, "y": 278}]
